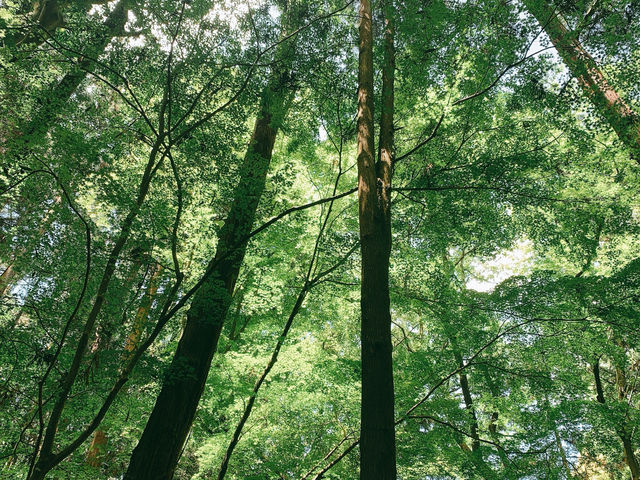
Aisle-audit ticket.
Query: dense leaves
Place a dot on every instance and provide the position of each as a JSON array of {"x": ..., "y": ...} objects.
[{"x": 514, "y": 277}]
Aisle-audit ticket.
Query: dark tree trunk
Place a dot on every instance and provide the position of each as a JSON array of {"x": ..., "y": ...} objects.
[
  {"x": 377, "y": 435},
  {"x": 627, "y": 444},
  {"x": 158, "y": 451},
  {"x": 468, "y": 399},
  {"x": 624, "y": 121}
]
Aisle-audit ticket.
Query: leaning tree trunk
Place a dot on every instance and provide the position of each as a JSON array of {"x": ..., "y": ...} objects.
[
  {"x": 624, "y": 121},
  {"x": 158, "y": 451},
  {"x": 377, "y": 435}
]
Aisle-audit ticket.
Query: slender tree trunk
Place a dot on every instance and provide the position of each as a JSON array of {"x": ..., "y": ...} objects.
[
  {"x": 6, "y": 279},
  {"x": 563, "y": 454},
  {"x": 98, "y": 446},
  {"x": 157, "y": 453},
  {"x": 629, "y": 455},
  {"x": 142, "y": 314},
  {"x": 377, "y": 435},
  {"x": 624, "y": 121},
  {"x": 468, "y": 400}
]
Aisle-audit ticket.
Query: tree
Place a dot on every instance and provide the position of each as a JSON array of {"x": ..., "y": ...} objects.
[
  {"x": 181, "y": 227},
  {"x": 377, "y": 444}
]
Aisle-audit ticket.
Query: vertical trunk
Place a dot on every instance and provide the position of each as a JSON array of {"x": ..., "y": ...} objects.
[
  {"x": 624, "y": 121},
  {"x": 377, "y": 435},
  {"x": 142, "y": 314},
  {"x": 97, "y": 448},
  {"x": 629, "y": 454},
  {"x": 157, "y": 453},
  {"x": 468, "y": 400}
]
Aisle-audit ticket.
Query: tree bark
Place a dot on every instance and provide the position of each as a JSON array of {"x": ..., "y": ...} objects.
[
  {"x": 377, "y": 433},
  {"x": 97, "y": 448},
  {"x": 158, "y": 451},
  {"x": 142, "y": 314},
  {"x": 6, "y": 279},
  {"x": 624, "y": 121},
  {"x": 468, "y": 400},
  {"x": 627, "y": 444}
]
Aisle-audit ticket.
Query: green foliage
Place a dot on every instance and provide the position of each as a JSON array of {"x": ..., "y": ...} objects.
[{"x": 522, "y": 191}]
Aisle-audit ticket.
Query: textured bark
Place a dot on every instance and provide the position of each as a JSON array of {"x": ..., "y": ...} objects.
[
  {"x": 377, "y": 435},
  {"x": 158, "y": 451},
  {"x": 97, "y": 448},
  {"x": 624, "y": 121}
]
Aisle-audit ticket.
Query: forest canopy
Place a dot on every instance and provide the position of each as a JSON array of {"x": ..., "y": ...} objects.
[{"x": 336, "y": 239}]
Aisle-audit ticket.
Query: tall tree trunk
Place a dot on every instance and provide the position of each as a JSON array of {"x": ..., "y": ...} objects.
[
  {"x": 466, "y": 394},
  {"x": 629, "y": 455},
  {"x": 98, "y": 446},
  {"x": 157, "y": 453},
  {"x": 142, "y": 314},
  {"x": 377, "y": 435},
  {"x": 624, "y": 121}
]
